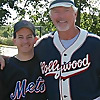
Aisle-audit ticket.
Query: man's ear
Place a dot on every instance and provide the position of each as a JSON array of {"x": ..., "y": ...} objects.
[{"x": 76, "y": 13}]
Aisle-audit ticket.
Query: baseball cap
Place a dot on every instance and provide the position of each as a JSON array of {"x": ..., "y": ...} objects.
[
  {"x": 23, "y": 24},
  {"x": 64, "y": 3}
]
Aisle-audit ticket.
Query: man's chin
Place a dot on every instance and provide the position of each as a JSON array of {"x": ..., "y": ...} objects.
[{"x": 63, "y": 29}]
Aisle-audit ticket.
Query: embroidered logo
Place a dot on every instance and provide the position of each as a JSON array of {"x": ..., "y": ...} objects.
[
  {"x": 21, "y": 89},
  {"x": 66, "y": 70}
]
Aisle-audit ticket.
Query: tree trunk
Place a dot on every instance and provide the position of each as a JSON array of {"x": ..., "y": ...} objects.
[{"x": 78, "y": 4}]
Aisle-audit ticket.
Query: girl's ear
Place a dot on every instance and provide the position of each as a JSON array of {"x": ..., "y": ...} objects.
[
  {"x": 14, "y": 41},
  {"x": 35, "y": 39}
]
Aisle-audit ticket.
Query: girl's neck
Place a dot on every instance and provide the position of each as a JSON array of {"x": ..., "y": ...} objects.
[{"x": 25, "y": 56}]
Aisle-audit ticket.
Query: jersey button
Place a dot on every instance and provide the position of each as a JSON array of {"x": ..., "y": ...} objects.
[
  {"x": 64, "y": 62},
  {"x": 65, "y": 54},
  {"x": 65, "y": 96},
  {"x": 64, "y": 79}
]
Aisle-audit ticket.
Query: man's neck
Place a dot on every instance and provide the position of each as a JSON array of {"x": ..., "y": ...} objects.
[{"x": 69, "y": 34}]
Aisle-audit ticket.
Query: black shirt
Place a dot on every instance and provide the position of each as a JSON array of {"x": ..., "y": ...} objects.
[{"x": 22, "y": 80}]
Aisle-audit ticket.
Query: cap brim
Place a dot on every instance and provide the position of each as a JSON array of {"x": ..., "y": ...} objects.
[
  {"x": 25, "y": 26},
  {"x": 63, "y": 4}
]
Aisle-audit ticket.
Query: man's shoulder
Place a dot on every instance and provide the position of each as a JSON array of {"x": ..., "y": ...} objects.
[
  {"x": 90, "y": 34},
  {"x": 45, "y": 38},
  {"x": 93, "y": 40}
]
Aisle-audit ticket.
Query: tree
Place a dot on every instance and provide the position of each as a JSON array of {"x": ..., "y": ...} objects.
[
  {"x": 4, "y": 13},
  {"x": 6, "y": 31},
  {"x": 91, "y": 20},
  {"x": 39, "y": 15}
]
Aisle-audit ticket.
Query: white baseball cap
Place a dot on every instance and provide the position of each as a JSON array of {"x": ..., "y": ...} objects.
[{"x": 64, "y": 3}]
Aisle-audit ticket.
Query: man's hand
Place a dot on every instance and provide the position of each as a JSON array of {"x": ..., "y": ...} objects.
[{"x": 2, "y": 62}]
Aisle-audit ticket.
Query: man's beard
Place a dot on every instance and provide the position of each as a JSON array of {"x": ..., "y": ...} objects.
[{"x": 65, "y": 28}]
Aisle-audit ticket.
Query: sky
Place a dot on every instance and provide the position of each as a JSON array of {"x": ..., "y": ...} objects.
[{"x": 13, "y": 13}]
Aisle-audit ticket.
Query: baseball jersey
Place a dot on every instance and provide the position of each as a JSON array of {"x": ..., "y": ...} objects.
[
  {"x": 72, "y": 73},
  {"x": 22, "y": 80}
]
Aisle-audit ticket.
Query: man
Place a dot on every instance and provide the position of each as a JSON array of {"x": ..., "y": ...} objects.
[
  {"x": 69, "y": 57},
  {"x": 22, "y": 77}
]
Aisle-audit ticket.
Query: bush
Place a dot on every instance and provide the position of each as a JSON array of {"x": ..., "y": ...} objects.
[
  {"x": 0, "y": 41},
  {"x": 6, "y": 41}
]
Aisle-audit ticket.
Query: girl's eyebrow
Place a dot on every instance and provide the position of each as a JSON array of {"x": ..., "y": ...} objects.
[{"x": 20, "y": 35}]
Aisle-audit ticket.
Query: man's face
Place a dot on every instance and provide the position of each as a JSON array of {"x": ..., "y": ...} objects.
[
  {"x": 63, "y": 17},
  {"x": 24, "y": 40}
]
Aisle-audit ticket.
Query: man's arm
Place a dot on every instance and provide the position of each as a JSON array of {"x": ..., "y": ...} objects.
[{"x": 2, "y": 62}]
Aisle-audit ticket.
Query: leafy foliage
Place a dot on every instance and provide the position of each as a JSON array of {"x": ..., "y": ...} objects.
[
  {"x": 39, "y": 14},
  {"x": 4, "y": 13}
]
